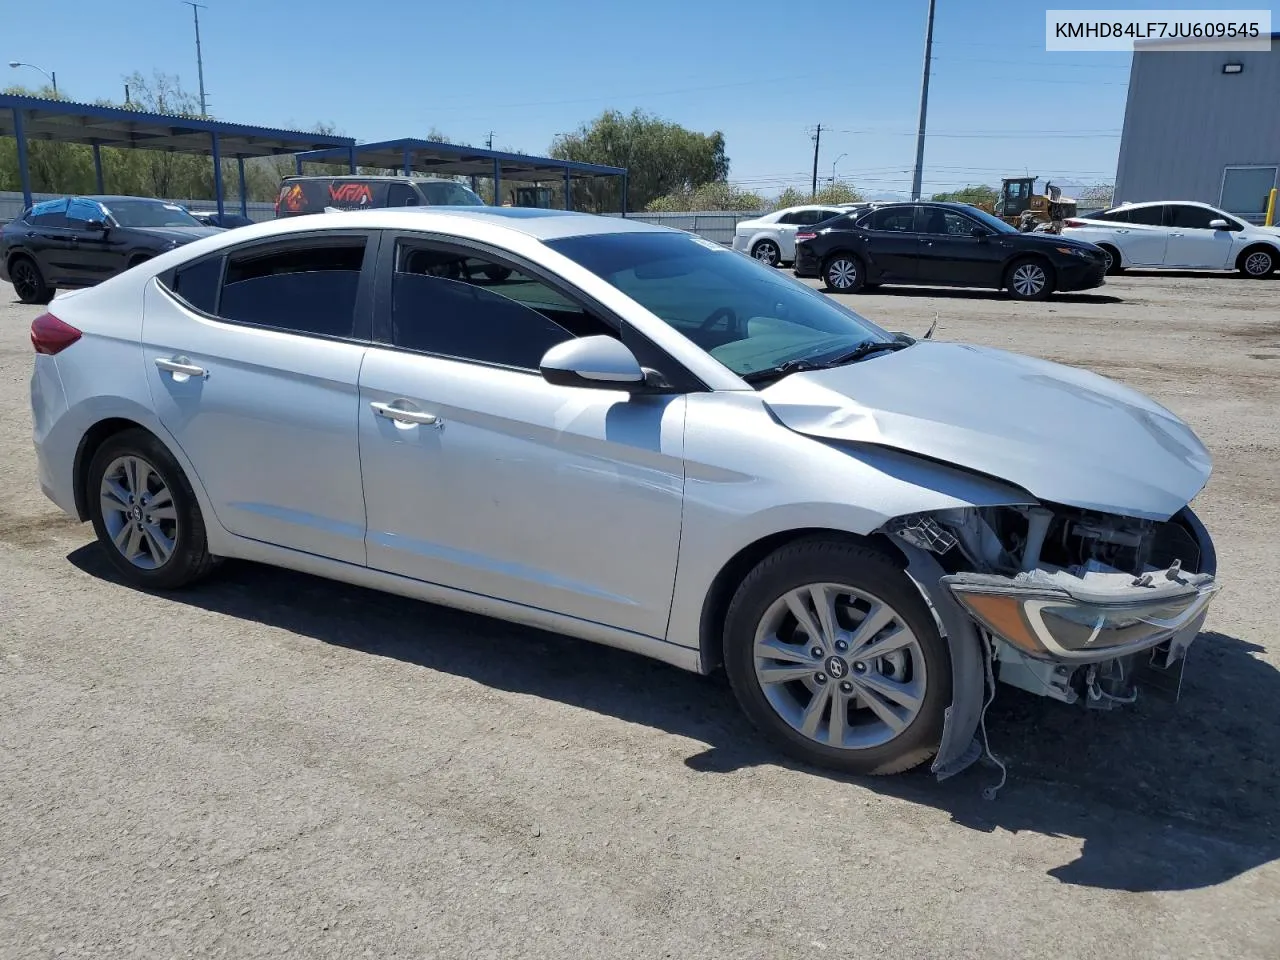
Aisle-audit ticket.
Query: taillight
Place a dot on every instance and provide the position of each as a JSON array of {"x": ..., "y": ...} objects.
[
  {"x": 49, "y": 335},
  {"x": 805, "y": 236},
  {"x": 1073, "y": 223}
]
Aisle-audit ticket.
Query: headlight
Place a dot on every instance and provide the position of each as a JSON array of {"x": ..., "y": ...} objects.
[
  {"x": 1075, "y": 252},
  {"x": 1051, "y": 624}
]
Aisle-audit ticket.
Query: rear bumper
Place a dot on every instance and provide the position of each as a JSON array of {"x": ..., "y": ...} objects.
[{"x": 806, "y": 262}]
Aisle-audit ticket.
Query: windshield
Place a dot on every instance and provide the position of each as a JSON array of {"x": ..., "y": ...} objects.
[
  {"x": 149, "y": 213},
  {"x": 994, "y": 222},
  {"x": 443, "y": 194},
  {"x": 748, "y": 316}
]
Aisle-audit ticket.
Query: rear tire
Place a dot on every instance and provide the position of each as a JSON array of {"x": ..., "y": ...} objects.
[
  {"x": 1114, "y": 265},
  {"x": 28, "y": 281},
  {"x": 832, "y": 701},
  {"x": 145, "y": 513},
  {"x": 1029, "y": 278},
  {"x": 844, "y": 273},
  {"x": 768, "y": 253}
]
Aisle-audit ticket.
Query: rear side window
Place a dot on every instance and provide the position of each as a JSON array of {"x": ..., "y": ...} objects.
[
  {"x": 1150, "y": 216},
  {"x": 198, "y": 283},
  {"x": 48, "y": 213},
  {"x": 1111, "y": 216},
  {"x": 401, "y": 195},
  {"x": 303, "y": 287},
  {"x": 891, "y": 219}
]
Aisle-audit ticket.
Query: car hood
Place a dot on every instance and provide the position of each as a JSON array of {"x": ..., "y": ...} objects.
[
  {"x": 1057, "y": 240},
  {"x": 1062, "y": 434},
  {"x": 180, "y": 234}
]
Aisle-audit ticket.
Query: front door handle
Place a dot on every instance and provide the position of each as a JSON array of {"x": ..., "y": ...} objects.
[
  {"x": 401, "y": 415},
  {"x": 181, "y": 368}
]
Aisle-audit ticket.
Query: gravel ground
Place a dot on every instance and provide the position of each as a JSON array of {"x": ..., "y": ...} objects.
[{"x": 273, "y": 763}]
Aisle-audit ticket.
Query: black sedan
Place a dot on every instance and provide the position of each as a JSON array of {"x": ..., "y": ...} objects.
[
  {"x": 944, "y": 244},
  {"x": 212, "y": 218},
  {"x": 80, "y": 241}
]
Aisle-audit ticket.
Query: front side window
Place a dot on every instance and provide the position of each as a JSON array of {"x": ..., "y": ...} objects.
[
  {"x": 936, "y": 221},
  {"x": 300, "y": 286},
  {"x": 748, "y": 316},
  {"x": 1191, "y": 218},
  {"x": 149, "y": 213},
  {"x": 48, "y": 213},
  {"x": 449, "y": 302}
]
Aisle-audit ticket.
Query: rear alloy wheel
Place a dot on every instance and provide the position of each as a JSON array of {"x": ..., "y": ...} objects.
[
  {"x": 1258, "y": 264},
  {"x": 1029, "y": 280},
  {"x": 1114, "y": 265},
  {"x": 843, "y": 274},
  {"x": 145, "y": 513},
  {"x": 28, "y": 284},
  {"x": 832, "y": 653},
  {"x": 767, "y": 252}
]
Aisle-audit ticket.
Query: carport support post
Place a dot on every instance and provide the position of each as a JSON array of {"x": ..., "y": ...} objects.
[
  {"x": 244, "y": 200},
  {"x": 217, "y": 172},
  {"x": 568, "y": 186},
  {"x": 497, "y": 182},
  {"x": 24, "y": 174},
  {"x": 351, "y": 158},
  {"x": 297, "y": 164},
  {"x": 97, "y": 168},
  {"x": 624, "y": 195},
  {"x": 408, "y": 168}
]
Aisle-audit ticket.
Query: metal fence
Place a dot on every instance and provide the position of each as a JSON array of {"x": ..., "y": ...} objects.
[
  {"x": 717, "y": 225},
  {"x": 11, "y": 205}
]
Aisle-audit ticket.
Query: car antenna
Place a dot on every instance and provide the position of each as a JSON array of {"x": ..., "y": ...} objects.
[{"x": 932, "y": 327}]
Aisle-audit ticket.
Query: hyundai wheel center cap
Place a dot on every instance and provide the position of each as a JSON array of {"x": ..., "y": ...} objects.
[{"x": 837, "y": 668}]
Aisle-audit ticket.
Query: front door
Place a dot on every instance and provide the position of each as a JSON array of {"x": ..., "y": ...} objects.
[
  {"x": 1193, "y": 243},
  {"x": 96, "y": 254},
  {"x": 950, "y": 253},
  {"x": 255, "y": 373},
  {"x": 481, "y": 476}
]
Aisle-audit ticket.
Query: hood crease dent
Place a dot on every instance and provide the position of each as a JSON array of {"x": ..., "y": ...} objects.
[{"x": 1063, "y": 434}]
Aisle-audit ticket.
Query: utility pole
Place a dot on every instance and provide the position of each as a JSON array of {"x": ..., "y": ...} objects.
[
  {"x": 817, "y": 142},
  {"x": 195, "y": 9},
  {"x": 924, "y": 106},
  {"x": 489, "y": 142}
]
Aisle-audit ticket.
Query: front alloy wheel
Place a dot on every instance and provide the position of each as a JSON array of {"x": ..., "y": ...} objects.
[
  {"x": 1029, "y": 281},
  {"x": 1258, "y": 264}
]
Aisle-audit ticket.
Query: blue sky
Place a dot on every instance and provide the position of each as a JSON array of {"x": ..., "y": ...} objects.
[{"x": 762, "y": 72}]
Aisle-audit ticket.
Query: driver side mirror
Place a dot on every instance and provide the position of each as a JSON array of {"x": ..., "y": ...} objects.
[
  {"x": 600, "y": 362},
  {"x": 980, "y": 232},
  {"x": 1219, "y": 224},
  {"x": 98, "y": 225}
]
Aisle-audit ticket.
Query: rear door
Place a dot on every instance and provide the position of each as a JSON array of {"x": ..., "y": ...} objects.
[
  {"x": 1195, "y": 244},
  {"x": 253, "y": 360},
  {"x": 1143, "y": 236},
  {"x": 47, "y": 239},
  {"x": 893, "y": 243}
]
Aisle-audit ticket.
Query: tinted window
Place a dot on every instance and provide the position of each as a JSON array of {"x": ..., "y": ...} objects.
[
  {"x": 449, "y": 303},
  {"x": 80, "y": 210},
  {"x": 828, "y": 214},
  {"x": 1151, "y": 216},
  {"x": 943, "y": 222},
  {"x": 401, "y": 195},
  {"x": 149, "y": 213},
  {"x": 1191, "y": 218},
  {"x": 445, "y": 194},
  {"x": 198, "y": 283},
  {"x": 1113, "y": 216},
  {"x": 304, "y": 287},
  {"x": 793, "y": 217},
  {"x": 49, "y": 213},
  {"x": 748, "y": 316},
  {"x": 893, "y": 219}
]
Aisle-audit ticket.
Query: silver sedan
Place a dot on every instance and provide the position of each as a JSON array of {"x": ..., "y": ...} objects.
[{"x": 637, "y": 437}]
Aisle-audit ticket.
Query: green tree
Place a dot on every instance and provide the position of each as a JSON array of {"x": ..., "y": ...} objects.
[
  {"x": 662, "y": 157},
  {"x": 709, "y": 196},
  {"x": 974, "y": 193}
]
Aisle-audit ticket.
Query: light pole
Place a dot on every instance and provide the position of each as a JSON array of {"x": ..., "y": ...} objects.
[
  {"x": 53, "y": 77},
  {"x": 833, "y": 167}
]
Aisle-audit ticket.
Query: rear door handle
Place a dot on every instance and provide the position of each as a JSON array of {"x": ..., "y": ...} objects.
[
  {"x": 181, "y": 368},
  {"x": 401, "y": 415}
]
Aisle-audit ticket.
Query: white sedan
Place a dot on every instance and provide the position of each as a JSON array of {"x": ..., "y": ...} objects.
[
  {"x": 636, "y": 437},
  {"x": 1178, "y": 235},
  {"x": 771, "y": 239}
]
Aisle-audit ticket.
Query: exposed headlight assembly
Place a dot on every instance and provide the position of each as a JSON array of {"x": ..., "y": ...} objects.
[
  {"x": 1083, "y": 622},
  {"x": 1075, "y": 252}
]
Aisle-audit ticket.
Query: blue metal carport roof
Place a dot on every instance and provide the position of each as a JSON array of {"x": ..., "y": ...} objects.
[
  {"x": 432, "y": 157},
  {"x": 37, "y": 118}
]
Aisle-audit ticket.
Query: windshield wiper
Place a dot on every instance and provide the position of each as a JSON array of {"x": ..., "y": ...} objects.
[
  {"x": 781, "y": 370},
  {"x": 866, "y": 348}
]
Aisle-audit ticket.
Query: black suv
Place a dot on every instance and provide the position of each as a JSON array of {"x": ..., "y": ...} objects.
[
  {"x": 944, "y": 244},
  {"x": 301, "y": 195},
  {"x": 80, "y": 241}
]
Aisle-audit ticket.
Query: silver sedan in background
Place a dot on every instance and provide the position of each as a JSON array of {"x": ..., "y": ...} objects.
[{"x": 634, "y": 436}]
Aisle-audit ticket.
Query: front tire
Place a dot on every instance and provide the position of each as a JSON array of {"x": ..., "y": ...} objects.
[
  {"x": 832, "y": 654},
  {"x": 1257, "y": 264},
  {"x": 145, "y": 513},
  {"x": 28, "y": 282},
  {"x": 1029, "y": 279},
  {"x": 844, "y": 273},
  {"x": 767, "y": 252}
]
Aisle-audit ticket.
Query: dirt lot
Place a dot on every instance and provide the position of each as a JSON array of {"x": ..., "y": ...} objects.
[{"x": 275, "y": 763}]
